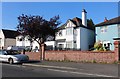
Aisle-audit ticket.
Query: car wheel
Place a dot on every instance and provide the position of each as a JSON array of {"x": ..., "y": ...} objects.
[{"x": 10, "y": 61}]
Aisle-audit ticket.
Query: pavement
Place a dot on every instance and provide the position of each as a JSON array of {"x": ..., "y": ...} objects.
[
  {"x": 70, "y": 64},
  {"x": 110, "y": 70}
]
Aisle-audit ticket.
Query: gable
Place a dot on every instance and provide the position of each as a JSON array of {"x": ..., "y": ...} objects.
[{"x": 70, "y": 24}]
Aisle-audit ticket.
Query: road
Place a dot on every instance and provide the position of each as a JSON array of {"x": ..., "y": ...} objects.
[{"x": 50, "y": 71}]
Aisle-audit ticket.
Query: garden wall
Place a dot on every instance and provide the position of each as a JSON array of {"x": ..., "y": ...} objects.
[
  {"x": 33, "y": 55},
  {"x": 84, "y": 56},
  {"x": 79, "y": 56}
]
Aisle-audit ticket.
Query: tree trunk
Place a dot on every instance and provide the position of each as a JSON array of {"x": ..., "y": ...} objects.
[{"x": 42, "y": 51}]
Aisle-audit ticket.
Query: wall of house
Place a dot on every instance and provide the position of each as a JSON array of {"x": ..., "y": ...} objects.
[
  {"x": 51, "y": 43},
  {"x": 25, "y": 43},
  {"x": 78, "y": 38},
  {"x": 63, "y": 36},
  {"x": 10, "y": 42},
  {"x": 118, "y": 30},
  {"x": 84, "y": 38},
  {"x": 2, "y": 39},
  {"x": 111, "y": 32}
]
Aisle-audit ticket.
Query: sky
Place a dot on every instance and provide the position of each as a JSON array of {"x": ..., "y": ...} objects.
[{"x": 97, "y": 11}]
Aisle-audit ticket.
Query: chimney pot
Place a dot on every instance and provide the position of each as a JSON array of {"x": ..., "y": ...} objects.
[{"x": 105, "y": 20}]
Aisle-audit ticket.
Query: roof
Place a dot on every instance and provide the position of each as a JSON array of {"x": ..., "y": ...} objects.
[
  {"x": 10, "y": 33},
  {"x": 109, "y": 22},
  {"x": 77, "y": 21}
]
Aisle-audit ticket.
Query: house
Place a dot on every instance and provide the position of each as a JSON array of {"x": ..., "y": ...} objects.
[
  {"x": 7, "y": 38},
  {"x": 25, "y": 42},
  {"x": 108, "y": 31},
  {"x": 75, "y": 34}
]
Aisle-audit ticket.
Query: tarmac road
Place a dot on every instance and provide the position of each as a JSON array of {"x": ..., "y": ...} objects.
[{"x": 59, "y": 69}]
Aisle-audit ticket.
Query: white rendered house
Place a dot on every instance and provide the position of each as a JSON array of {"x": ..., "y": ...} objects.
[{"x": 75, "y": 34}]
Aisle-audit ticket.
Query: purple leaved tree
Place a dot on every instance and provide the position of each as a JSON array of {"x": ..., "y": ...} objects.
[{"x": 38, "y": 29}]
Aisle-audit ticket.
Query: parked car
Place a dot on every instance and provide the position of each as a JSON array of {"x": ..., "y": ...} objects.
[
  {"x": 12, "y": 57},
  {"x": 18, "y": 48}
]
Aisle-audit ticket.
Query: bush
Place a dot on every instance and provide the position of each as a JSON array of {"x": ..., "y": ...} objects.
[{"x": 98, "y": 46}]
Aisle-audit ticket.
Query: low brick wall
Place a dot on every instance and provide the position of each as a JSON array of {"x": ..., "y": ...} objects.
[
  {"x": 77, "y": 56},
  {"x": 85, "y": 56},
  {"x": 33, "y": 55}
]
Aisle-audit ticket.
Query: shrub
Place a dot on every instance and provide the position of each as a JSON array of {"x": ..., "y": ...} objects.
[{"x": 98, "y": 46}]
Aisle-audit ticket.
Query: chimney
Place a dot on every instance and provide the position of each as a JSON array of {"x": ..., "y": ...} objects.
[
  {"x": 84, "y": 17},
  {"x": 105, "y": 20}
]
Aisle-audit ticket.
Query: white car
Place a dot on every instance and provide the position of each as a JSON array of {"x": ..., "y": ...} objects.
[{"x": 11, "y": 57}]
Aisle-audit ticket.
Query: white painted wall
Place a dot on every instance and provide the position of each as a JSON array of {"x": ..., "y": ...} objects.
[
  {"x": 34, "y": 44},
  {"x": 69, "y": 38},
  {"x": 78, "y": 38},
  {"x": 70, "y": 24},
  {"x": 63, "y": 35},
  {"x": 2, "y": 39},
  {"x": 26, "y": 42},
  {"x": 51, "y": 43}
]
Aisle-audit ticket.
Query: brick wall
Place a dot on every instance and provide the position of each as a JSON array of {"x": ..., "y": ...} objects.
[
  {"x": 33, "y": 55},
  {"x": 85, "y": 56}
]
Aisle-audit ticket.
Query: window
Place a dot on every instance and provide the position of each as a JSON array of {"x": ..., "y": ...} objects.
[
  {"x": 103, "y": 29},
  {"x": 60, "y": 33},
  {"x": 75, "y": 32},
  {"x": 69, "y": 44},
  {"x": 69, "y": 31}
]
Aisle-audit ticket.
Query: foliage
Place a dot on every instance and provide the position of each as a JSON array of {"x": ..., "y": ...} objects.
[
  {"x": 36, "y": 27},
  {"x": 98, "y": 46},
  {"x": 91, "y": 24}
]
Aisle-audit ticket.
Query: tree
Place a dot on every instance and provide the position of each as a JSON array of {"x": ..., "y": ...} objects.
[
  {"x": 37, "y": 28},
  {"x": 91, "y": 24}
]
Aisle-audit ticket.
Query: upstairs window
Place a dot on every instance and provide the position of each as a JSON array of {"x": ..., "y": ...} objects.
[
  {"x": 69, "y": 31},
  {"x": 103, "y": 29},
  {"x": 75, "y": 32}
]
